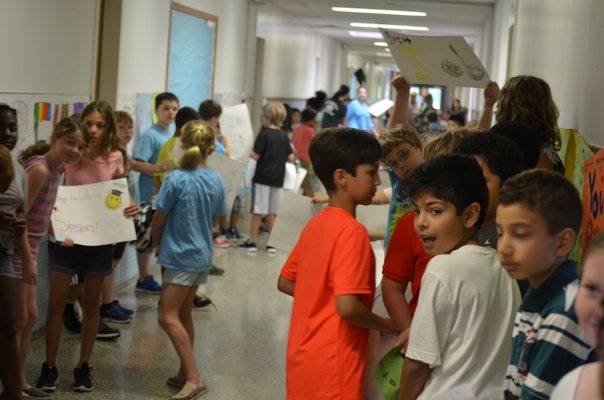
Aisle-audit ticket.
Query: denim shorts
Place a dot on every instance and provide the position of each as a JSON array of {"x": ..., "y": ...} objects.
[
  {"x": 184, "y": 278},
  {"x": 88, "y": 261},
  {"x": 6, "y": 265}
]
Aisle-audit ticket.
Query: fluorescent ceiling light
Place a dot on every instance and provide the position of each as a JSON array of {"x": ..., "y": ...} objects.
[
  {"x": 366, "y": 34},
  {"x": 387, "y": 50},
  {"x": 374, "y": 11},
  {"x": 386, "y": 26},
  {"x": 380, "y": 44}
]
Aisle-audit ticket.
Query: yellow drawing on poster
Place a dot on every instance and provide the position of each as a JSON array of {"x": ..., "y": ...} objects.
[
  {"x": 421, "y": 72},
  {"x": 113, "y": 199}
]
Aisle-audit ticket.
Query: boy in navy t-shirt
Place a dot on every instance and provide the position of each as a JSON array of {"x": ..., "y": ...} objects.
[{"x": 272, "y": 150}]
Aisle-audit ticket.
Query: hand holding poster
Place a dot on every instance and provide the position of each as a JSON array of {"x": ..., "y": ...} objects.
[
  {"x": 436, "y": 60},
  {"x": 93, "y": 215},
  {"x": 593, "y": 198}
]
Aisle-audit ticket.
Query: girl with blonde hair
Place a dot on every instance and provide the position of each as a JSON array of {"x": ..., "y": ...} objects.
[{"x": 189, "y": 198}]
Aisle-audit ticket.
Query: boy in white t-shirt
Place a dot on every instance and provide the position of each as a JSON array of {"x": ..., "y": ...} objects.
[{"x": 465, "y": 313}]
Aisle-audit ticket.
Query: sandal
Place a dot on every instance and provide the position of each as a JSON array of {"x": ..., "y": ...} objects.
[
  {"x": 176, "y": 382},
  {"x": 190, "y": 392}
]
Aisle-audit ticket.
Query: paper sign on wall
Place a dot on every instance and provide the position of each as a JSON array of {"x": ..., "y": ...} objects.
[
  {"x": 593, "y": 198},
  {"x": 93, "y": 215},
  {"x": 436, "y": 60}
]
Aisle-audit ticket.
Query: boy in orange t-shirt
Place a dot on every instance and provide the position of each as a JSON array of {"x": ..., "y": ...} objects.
[{"x": 331, "y": 274}]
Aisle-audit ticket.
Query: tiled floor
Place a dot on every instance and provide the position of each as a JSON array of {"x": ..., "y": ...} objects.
[{"x": 240, "y": 347}]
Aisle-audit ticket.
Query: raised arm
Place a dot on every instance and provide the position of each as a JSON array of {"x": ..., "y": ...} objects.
[
  {"x": 400, "y": 112},
  {"x": 491, "y": 93}
]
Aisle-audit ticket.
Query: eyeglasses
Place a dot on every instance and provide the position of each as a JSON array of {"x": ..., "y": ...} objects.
[{"x": 401, "y": 157}]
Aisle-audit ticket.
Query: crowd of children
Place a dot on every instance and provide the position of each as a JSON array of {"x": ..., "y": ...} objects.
[
  {"x": 480, "y": 235},
  {"x": 496, "y": 302}
]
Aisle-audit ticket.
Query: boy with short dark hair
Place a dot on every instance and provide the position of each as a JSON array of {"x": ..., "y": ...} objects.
[
  {"x": 500, "y": 159},
  {"x": 460, "y": 331},
  {"x": 538, "y": 217},
  {"x": 331, "y": 274},
  {"x": 145, "y": 161}
]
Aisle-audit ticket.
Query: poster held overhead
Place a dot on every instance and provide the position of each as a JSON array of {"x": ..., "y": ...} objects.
[{"x": 436, "y": 60}]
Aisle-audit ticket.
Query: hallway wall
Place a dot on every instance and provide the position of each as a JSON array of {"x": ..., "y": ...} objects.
[
  {"x": 298, "y": 61},
  {"x": 561, "y": 42}
]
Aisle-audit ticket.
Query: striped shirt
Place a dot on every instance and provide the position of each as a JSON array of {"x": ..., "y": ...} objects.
[
  {"x": 38, "y": 216},
  {"x": 547, "y": 341}
]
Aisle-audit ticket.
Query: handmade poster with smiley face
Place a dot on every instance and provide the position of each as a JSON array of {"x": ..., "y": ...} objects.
[
  {"x": 436, "y": 60},
  {"x": 93, "y": 215}
]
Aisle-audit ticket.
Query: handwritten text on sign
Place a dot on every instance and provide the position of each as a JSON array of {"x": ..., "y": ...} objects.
[
  {"x": 93, "y": 215},
  {"x": 593, "y": 198}
]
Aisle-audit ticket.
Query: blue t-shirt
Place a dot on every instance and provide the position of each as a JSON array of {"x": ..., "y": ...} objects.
[
  {"x": 190, "y": 199},
  {"x": 220, "y": 149},
  {"x": 147, "y": 149},
  {"x": 358, "y": 117},
  {"x": 398, "y": 206}
]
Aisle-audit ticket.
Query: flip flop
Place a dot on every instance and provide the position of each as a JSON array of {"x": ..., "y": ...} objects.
[
  {"x": 176, "y": 382},
  {"x": 190, "y": 392}
]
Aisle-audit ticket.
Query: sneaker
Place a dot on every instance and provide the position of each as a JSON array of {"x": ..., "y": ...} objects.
[
  {"x": 125, "y": 310},
  {"x": 233, "y": 234},
  {"x": 271, "y": 249},
  {"x": 214, "y": 270},
  {"x": 106, "y": 332},
  {"x": 49, "y": 377},
  {"x": 221, "y": 242},
  {"x": 248, "y": 245},
  {"x": 35, "y": 392},
  {"x": 71, "y": 320},
  {"x": 148, "y": 285},
  {"x": 82, "y": 378},
  {"x": 112, "y": 313},
  {"x": 201, "y": 302}
]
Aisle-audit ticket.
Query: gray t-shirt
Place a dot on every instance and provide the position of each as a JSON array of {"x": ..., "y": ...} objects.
[{"x": 13, "y": 201}]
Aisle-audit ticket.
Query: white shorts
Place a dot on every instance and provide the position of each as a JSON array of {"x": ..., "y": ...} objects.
[
  {"x": 184, "y": 278},
  {"x": 266, "y": 199}
]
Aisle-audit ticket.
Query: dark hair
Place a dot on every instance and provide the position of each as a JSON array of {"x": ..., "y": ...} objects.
[
  {"x": 6, "y": 107},
  {"x": 308, "y": 115},
  {"x": 502, "y": 156},
  {"x": 458, "y": 118},
  {"x": 295, "y": 110},
  {"x": 548, "y": 194},
  {"x": 209, "y": 109},
  {"x": 432, "y": 116},
  {"x": 65, "y": 127},
  {"x": 344, "y": 148},
  {"x": 318, "y": 102},
  {"x": 185, "y": 115},
  {"x": 456, "y": 178},
  {"x": 165, "y": 96},
  {"x": 524, "y": 137},
  {"x": 287, "y": 124},
  {"x": 342, "y": 91}
]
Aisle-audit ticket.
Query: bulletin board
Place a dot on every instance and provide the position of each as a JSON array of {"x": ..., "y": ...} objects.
[{"x": 191, "y": 55}]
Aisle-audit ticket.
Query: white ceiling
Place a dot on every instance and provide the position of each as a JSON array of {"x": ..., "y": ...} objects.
[{"x": 444, "y": 17}]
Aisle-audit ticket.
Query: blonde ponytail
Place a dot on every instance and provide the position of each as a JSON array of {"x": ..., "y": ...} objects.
[{"x": 198, "y": 142}]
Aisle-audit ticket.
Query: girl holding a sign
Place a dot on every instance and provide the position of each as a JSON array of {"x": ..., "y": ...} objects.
[
  {"x": 193, "y": 193},
  {"x": 43, "y": 163},
  {"x": 103, "y": 161}
]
